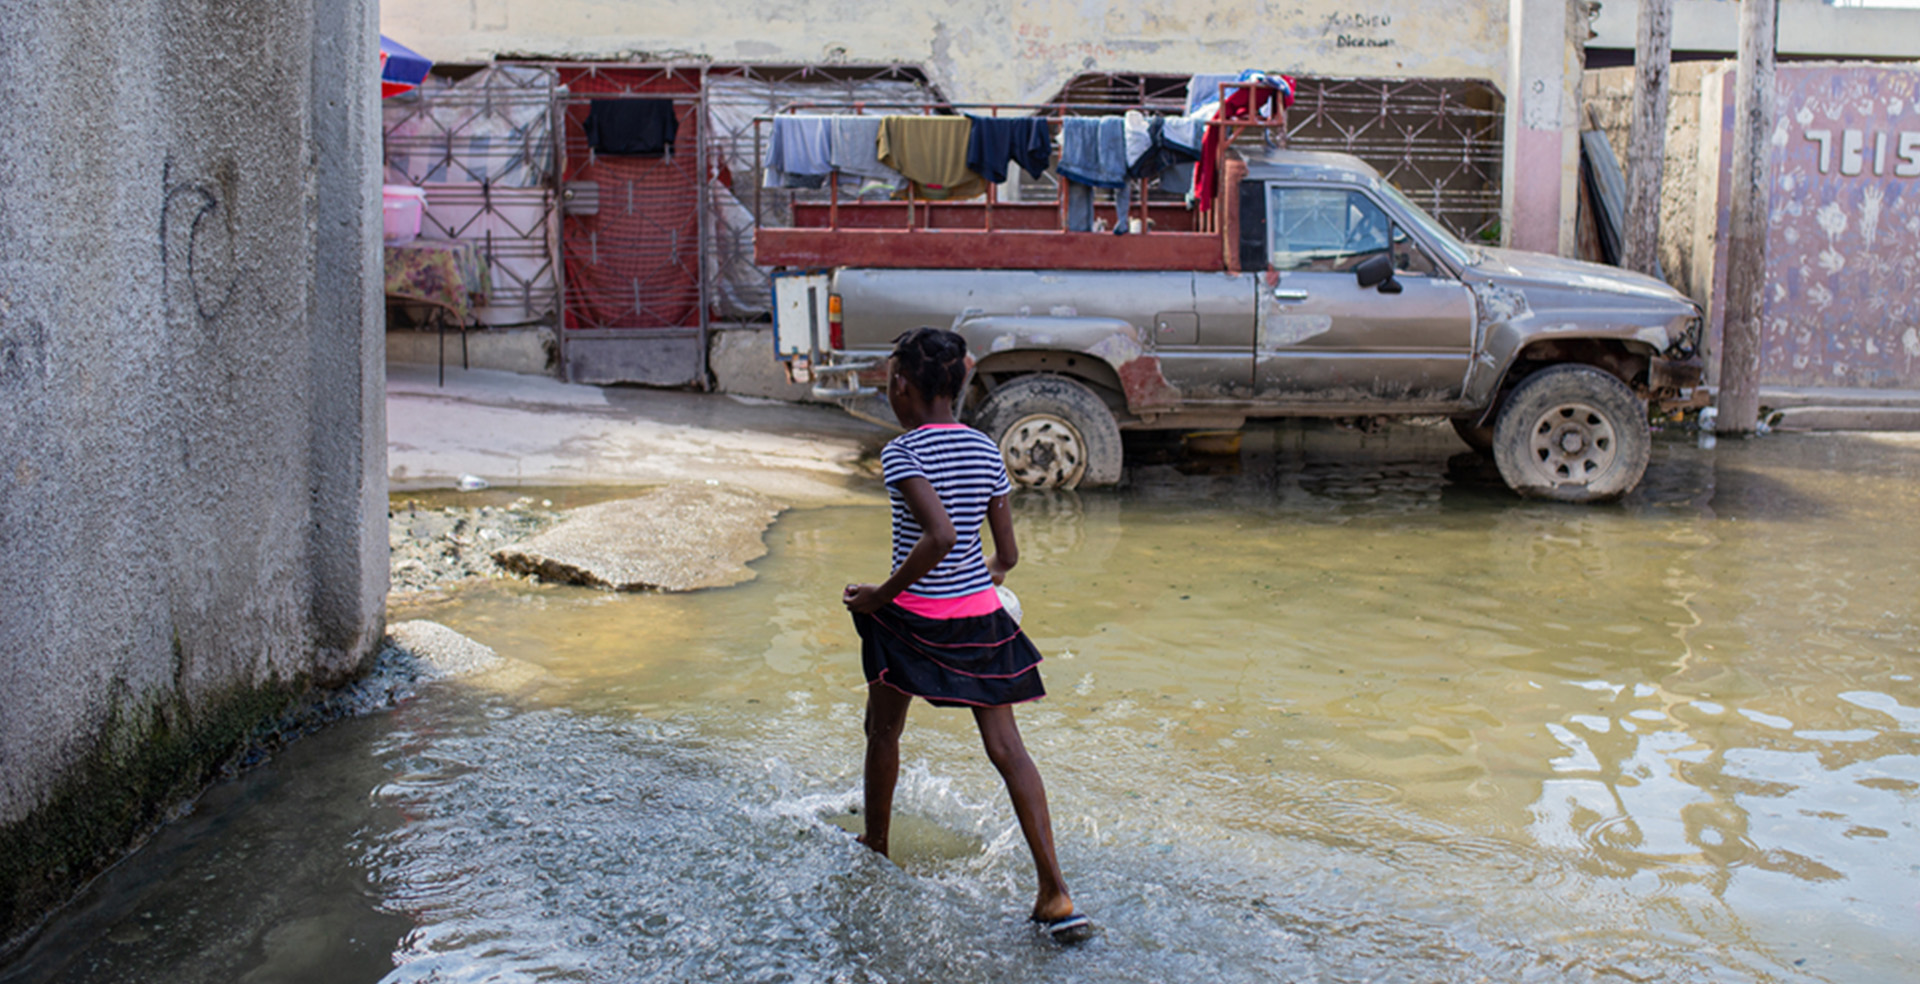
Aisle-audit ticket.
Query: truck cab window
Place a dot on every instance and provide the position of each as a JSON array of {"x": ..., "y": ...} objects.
[
  {"x": 1322, "y": 229},
  {"x": 1408, "y": 257}
]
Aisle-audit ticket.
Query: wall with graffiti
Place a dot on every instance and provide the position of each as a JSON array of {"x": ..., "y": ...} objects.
[{"x": 1843, "y": 247}]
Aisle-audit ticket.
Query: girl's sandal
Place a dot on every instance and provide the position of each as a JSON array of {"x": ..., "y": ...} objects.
[{"x": 1076, "y": 928}]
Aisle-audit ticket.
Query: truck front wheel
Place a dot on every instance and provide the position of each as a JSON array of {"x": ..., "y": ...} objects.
[
  {"x": 1572, "y": 433},
  {"x": 1053, "y": 432}
]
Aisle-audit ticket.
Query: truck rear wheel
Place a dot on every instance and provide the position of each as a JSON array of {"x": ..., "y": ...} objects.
[
  {"x": 1053, "y": 432},
  {"x": 1572, "y": 433}
]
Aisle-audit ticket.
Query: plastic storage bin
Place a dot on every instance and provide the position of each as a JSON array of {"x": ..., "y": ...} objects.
[{"x": 401, "y": 207}]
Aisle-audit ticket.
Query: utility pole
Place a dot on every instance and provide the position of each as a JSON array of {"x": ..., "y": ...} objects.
[
  {"x": 1647, "y": 141},
  {"x": 1739, "y": 396}
]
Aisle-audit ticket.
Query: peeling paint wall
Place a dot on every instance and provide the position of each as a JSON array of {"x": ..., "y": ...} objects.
[{"x": 990, "y": 52}]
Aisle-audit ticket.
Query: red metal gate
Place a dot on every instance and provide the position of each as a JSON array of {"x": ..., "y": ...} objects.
[{"x": 635, "y": 302}]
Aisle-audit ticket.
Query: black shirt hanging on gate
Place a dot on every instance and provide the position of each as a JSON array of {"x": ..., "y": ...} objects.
[{"x": 639, "y": 127}]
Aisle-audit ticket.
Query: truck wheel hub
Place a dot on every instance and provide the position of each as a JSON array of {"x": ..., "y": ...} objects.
[
  {"x": 1044, "y": 451},
  {"x": 1573, "y": 444}
]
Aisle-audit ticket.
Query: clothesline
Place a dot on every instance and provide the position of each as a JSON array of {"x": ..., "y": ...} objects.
[{"x": 955, "y": 157}]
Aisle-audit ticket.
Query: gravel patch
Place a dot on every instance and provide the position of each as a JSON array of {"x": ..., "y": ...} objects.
[{"x": 440, "y": 547}]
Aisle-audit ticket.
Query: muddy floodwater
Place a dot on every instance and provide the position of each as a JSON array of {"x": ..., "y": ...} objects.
[{"x": 1334, "y": 708}]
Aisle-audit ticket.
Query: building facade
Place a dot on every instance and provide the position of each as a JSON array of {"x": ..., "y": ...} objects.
[{"x": 1466, "y": 106}]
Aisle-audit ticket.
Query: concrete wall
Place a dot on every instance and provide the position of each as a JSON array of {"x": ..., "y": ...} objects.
[
  {"x": 1807, "y": 28},
  {"x": 192, "y": 446},
  {"x": 1541, "y": 169},
  {"x": 1608, "y": 97},
  {"x": 530, "y": 351},
  {"x": 742, "y": 362},
  {"x": 1003, "y": 51}
]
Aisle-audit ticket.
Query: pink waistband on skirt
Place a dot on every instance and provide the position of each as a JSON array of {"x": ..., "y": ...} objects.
[{"x": 964, "y": 606}]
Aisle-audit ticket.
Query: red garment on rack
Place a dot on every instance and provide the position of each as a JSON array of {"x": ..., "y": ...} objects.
[{"x": 1233, "y": 107}]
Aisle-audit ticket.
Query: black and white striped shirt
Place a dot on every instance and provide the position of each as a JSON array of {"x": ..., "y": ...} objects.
[{"x": 966, "y": 470}]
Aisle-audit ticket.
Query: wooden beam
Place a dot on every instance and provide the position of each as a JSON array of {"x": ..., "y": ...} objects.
[
  {"x": 1739, "y": 396},
  {"x": 1647, "y": 142}
]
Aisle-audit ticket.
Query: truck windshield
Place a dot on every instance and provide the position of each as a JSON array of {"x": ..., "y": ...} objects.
[{"x": 1431, "y": 229}]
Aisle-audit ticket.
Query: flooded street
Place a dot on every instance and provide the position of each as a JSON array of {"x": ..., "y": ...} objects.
[{"x": 1336, "y": 708}]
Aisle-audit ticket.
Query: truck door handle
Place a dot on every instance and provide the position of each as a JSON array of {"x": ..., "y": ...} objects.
[{"x": 1289, "y": 294}]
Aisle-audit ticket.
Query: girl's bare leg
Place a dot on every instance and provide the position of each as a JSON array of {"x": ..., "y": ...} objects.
[
  {"x": 1001, "y": 735},
  {"x": 886, "y": 718}
]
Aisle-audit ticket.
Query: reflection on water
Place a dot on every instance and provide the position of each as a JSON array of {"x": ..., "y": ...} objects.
[{"x": 1334, "y": 708}]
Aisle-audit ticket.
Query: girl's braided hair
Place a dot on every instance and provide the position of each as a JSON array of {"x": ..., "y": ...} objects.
[{"x": 934, "y": 360}]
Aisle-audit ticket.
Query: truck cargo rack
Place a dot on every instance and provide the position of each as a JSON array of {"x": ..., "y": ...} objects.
[{"x": 913, "y": 232}]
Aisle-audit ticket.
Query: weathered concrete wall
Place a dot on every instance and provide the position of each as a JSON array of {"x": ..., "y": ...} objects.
[
  {"x": 1806, "y": 28},
  {"x": 1608, "y": 98},
  {"x": 1541, "y": 168},
  {"x": 192, "y": 473},
  {"x": 742, "y": 362},
  {"x": 1005, "y": 51},
  {"x": 530, "y": 351},
  {"x": 1025, "y": 52}
]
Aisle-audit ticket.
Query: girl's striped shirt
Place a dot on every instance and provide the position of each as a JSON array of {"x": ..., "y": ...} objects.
[{"x": 965, "y": 468}]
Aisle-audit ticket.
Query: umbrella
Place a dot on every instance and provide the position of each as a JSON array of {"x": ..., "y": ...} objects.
[{"x": 401, "y": 68}]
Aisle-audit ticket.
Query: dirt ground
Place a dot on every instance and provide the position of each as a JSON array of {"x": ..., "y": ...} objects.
[
  {"x": 514, "y": 430},
  {"x": 571, "y": 445}
]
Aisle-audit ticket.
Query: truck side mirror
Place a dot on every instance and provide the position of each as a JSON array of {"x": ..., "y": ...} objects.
[{"x": 1377, "y": 269}]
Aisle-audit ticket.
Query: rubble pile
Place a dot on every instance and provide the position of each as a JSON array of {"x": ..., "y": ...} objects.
[{"x": 438, "y": 547}]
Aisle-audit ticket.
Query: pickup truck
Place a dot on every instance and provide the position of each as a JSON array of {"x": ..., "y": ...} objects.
[{"x": 1319, "y": 291}]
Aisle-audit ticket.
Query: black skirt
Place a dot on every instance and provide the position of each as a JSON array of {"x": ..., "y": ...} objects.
[{"x": 976, "y": 661}]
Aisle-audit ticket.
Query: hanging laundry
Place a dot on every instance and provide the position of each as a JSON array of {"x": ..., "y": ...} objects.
[
  {"x": 1139, "y": 129},
  {"x": 637, "y": 127},
  {"x": 1178, "y": 179},
  {"x": 993, "y": 143},
  {"x": 854, "y": 152},
  {"x": 1093, "y": 154},
  {"x": 1093, "y": 150},
  {"x": 1204, "y": 90},
  {"x": 1187, "y": 133},
  {"x": 1079, "y": 207},
  {"x": 1236, "y": 107},
  {"x": 798, "y": 152},
  {"x": 931, "y": 152},
  {"x": 1156, "y": 152}
]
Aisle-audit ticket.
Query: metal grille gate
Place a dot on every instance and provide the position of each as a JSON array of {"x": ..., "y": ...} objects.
[
  {"x": 482, "y": 147},
  {"x": 1437, "y": 140}
]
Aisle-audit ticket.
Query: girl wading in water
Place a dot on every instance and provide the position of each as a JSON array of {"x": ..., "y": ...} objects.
[{"x": 936, "y": 629}]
